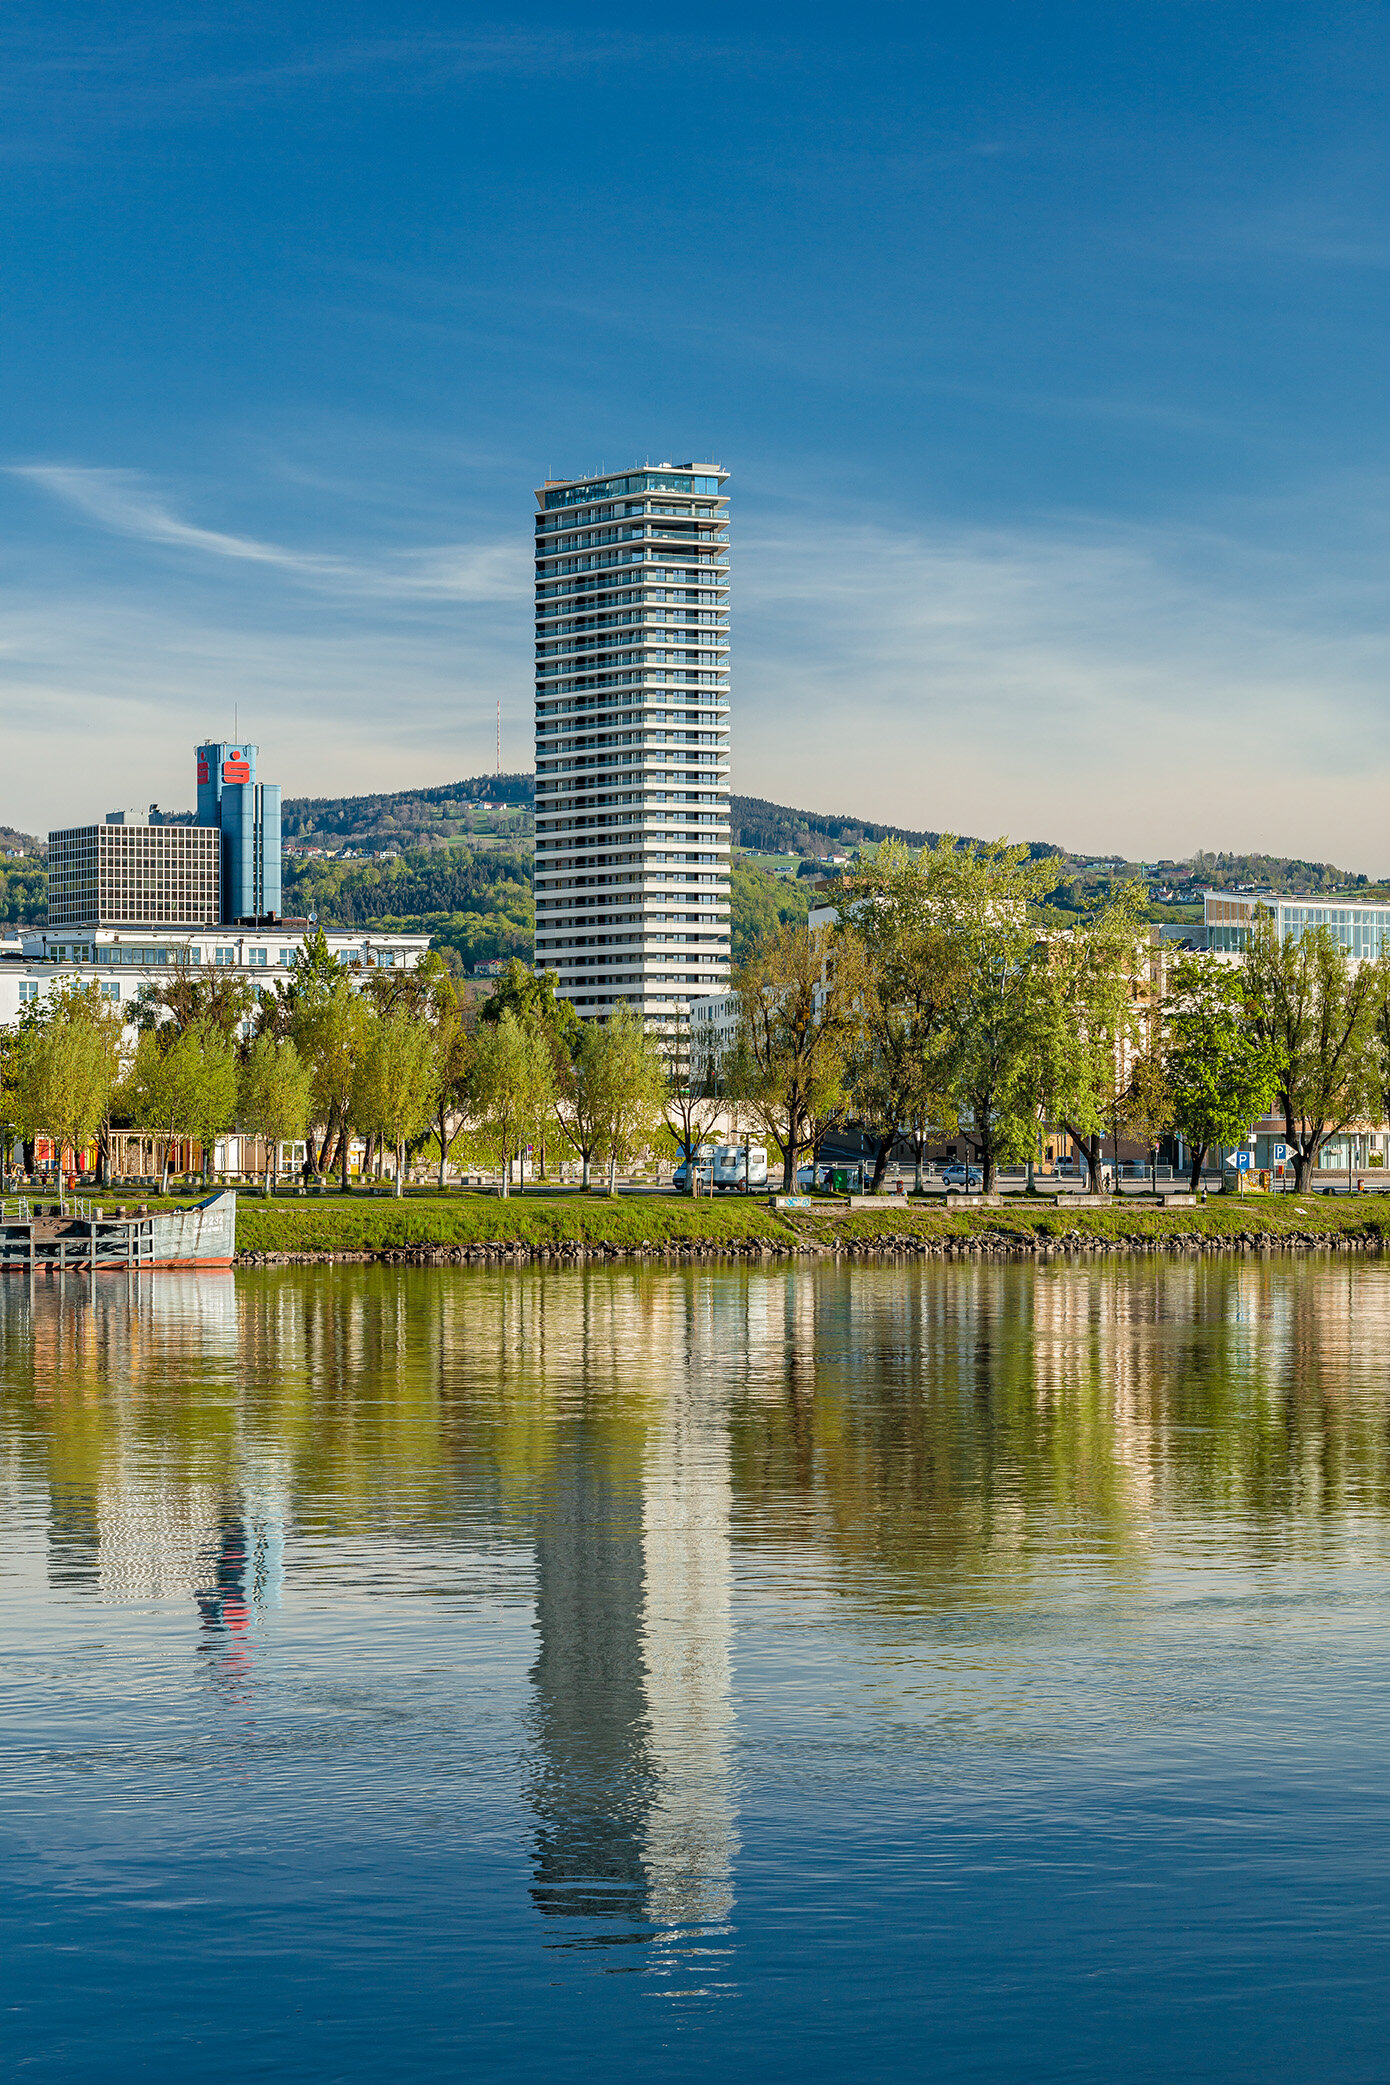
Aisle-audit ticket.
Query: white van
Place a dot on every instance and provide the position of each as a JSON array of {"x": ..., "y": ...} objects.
[
  {"x": 730, "y": 1170},
  {"x": 705, "y": 1158}
]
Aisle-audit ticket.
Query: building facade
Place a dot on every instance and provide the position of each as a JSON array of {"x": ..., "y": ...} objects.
[
  {"x": 1227, "y": 917},
  {"x": 127, "y": 872},
  {"x": 120, "y": 959},
  {"x": 247, "y": 814},
  {"x": 138, "y": 870},
  {"x": 632, "y": 738}
]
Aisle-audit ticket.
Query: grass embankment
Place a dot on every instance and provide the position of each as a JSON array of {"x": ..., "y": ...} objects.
[
  {"x": 473, "y": 1222},
  {"x": 471, "y": 1225}
]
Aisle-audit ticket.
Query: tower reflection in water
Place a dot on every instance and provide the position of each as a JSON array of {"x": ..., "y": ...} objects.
[
  {"x": 633, "y": 1791},
  {"x": 130, "y": 1521}
]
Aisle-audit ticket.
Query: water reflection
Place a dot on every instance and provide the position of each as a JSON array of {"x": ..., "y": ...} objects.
[
  {"x": 929, "y": 1437},
  {"x": 633, "y": 1788}
]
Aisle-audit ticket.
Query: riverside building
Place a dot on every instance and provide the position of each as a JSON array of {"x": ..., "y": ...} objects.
[
  {"x": 137, "y": 898},
  {"x": 632, "y": 738}
]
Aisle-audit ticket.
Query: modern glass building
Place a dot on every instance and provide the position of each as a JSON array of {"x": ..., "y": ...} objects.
[
  {"x": 247, "y": 814},
  {"x": 632, "y": 738},
  {"x": 1361, "y": 929}
]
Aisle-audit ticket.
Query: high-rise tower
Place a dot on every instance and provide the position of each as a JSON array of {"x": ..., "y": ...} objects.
[
  {"x": 247, "y": 813},
  {"x": 632, "y": 738}
]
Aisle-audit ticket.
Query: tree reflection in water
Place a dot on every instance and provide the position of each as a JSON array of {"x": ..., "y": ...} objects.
[{"x": 639, "y": 1440}]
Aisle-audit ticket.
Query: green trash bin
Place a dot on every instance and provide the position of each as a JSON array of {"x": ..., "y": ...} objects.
[{"x": 840, "y": 1180}]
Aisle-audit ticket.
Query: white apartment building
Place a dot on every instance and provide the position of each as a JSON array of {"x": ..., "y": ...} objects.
[
  {"x": 713, "y": 1028},
  {"x": 121, "y": 959},
  {"x": 632, "y": 738}
]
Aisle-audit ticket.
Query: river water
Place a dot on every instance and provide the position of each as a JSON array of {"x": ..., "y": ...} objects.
[{"x": 424, "y": 1673}]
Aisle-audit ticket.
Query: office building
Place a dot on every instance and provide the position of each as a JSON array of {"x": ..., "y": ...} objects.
[
  {"x": 140, "y": 870},
  {"x": 1363, "y": 929},
  {"x": 247, "y": 814},
  {"x": 632, "y": 738},
  {"x": 128, "y": 872}
]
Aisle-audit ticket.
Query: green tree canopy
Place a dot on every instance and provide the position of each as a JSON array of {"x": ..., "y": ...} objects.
[
  {"x": 275, "y": 1089},
  {"x": 1221, "y": 1073},
  {"x": 395, "y": 1081}
]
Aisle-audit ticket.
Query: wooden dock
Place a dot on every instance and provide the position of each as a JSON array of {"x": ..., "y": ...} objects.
[{"x": 77, "y": 1237}]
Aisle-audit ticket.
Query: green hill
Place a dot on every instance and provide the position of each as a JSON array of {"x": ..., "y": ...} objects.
[{"x": 454, "y": 861}]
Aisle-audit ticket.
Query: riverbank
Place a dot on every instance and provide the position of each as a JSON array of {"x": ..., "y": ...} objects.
[{"x": 465, "y": 1227}]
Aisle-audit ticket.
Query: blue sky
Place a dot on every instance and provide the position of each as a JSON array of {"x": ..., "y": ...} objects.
[{"x": 1046, "y": 346}]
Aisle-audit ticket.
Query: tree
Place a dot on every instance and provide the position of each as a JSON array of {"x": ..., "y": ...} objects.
[
  {"x": 630, "y": 1083},
  {"x": 330, "y": 1025},
  {"x": 1146, "y": 1112},
  {"x": 759, "y": 903},
  {"x": 1100, "y": 982},
  {"x": 530, "y": 995},
  {"x": 192, "y": 997},
  {"x": 1315, "y": 1009},
  {"x": 63, "y": 1069},
  {"x": 182, "y": 1084},
  {"x": 896, "y": 904},
  {"x": 455, "y": 1062},
  {"x": 1221, "y": 1075},
  {"x": 1379, "y": 1041},
  {"x": 578, "y": 1098},
  {"x": 514, "y": 1085},
  {"x": 1001, "y": 1026},
  {"x": 693, "y": 1103},
  {"x": 275, "y": 1090},
  {"x": 394, "y": 1087},
  {"x": 798, "y": 999}
]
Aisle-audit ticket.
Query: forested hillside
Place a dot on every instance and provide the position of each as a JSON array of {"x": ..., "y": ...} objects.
[
  {"x": 479, "y": 905},
  {"x": 23, "y": 890},
  {"x": 498, "y": 804},
  {"x": 463, "y": 869}
]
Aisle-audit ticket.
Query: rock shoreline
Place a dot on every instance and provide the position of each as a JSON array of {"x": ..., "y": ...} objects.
[{"x": 988, "y": 1245}]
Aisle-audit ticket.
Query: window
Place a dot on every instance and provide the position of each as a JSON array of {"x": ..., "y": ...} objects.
[
  {"x": 28, "y": 990},
  {"x": 258, "y": 956},
  {"x": 111, "y": 989},
  {"x": 286, "y": 958},
  {"x": 223, "y": 956}
]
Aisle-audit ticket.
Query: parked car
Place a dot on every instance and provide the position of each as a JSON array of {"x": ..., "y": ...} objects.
[{"x": 958, "y": 1176}]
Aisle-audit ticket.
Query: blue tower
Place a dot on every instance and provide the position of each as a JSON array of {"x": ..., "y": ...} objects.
[{"x": 247, "y": 813}]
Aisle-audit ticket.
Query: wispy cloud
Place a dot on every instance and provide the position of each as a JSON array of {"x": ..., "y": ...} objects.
[
  {"x": 136, "y": 682},
  {"x": 1146, "y": 690},
  {"x": 59, "y": 93},
  {"x": 119, "y": 502}
]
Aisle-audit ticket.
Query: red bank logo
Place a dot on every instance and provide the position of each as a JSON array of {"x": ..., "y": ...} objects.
[
  {"x": 236, "y": 771},
  {"x": 202, "y": 772}
]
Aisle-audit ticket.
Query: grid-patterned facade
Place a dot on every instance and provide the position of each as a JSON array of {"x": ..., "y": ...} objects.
[
  {"x": 632, "y": 738},
  {"x": 135, "y": 875},
  {"x": 1362, "y": 929}
]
